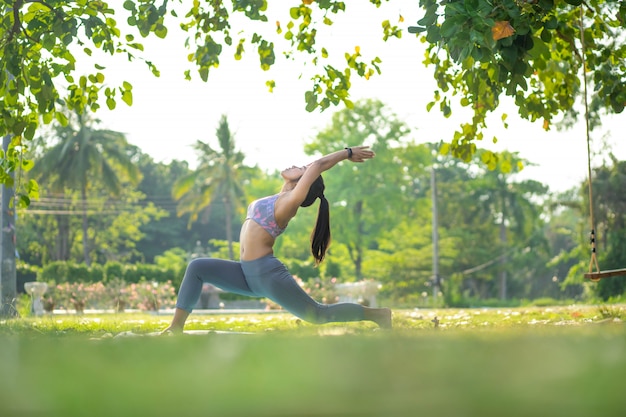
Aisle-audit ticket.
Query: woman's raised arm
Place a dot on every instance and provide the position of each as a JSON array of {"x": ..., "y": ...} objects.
[{"x": 315, "y": 169}]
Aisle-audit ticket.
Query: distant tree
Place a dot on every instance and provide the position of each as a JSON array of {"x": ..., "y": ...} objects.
[
  {"x": 369, "y": 197},
  {"x": 608, "y": 183},
  {"x": 82, "y": 156},
  {"x": 218, "y": 178},
  {"x": 509, "y": 204},
  {"x": 169, "y": 231}
]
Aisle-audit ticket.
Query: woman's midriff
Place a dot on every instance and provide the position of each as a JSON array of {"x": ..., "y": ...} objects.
[{"x": 254, "y": 241}]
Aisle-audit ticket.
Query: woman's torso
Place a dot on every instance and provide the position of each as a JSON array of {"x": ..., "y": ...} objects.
[{"x": 259, "y": 231}]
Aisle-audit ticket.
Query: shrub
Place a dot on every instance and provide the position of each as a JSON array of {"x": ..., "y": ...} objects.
[
  {"x": 56, "y": 271},
  {"x": 138, "y": 272},
  {"x": 151, "y": 296},
  {"x": 25, "y": 273},
  {"x": 304, "y": 269},
  {"x": 84, "y": 273},
  {"x": 113, "y": 271}
]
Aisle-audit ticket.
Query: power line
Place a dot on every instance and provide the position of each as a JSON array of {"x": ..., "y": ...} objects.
[{"x": 61, "y": 204}]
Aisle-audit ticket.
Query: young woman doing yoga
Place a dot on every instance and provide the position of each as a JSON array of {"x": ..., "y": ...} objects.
[{"x": 259, "y": 273}]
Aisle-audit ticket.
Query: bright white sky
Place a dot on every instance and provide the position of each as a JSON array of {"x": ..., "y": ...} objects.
[{"x": 169, "y": 114}]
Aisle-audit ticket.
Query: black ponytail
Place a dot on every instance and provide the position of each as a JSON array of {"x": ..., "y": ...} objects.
[{"x": 320, "y": 237}]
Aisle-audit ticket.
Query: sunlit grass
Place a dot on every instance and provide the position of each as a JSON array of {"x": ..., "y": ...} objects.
[
  {"x": 417, "y": 319},
  {"x": 568, "y": 361}
]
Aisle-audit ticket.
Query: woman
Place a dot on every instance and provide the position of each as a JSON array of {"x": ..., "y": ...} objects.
[{"x": 259, "y": 273}]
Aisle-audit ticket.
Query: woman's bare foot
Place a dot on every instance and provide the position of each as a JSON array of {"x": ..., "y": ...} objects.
[
  {"x": 385, "y": 321},
  {"x": 171, "y": 330},
  {"x": 178, "y": 322}
]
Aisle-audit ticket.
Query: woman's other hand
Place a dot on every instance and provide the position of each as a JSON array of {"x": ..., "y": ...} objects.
[{"x": 361, "y": 153}]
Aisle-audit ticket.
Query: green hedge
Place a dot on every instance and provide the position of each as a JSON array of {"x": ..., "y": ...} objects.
[
  {"x": 113, "y": 271},
  {"x": 25, "y": 273},
  {"x": 148, "y": 272},
  {"x": 61, "y": 271}
]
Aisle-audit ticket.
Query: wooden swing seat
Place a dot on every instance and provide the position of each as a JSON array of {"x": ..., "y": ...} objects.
[{"x": 595, "y": 276}]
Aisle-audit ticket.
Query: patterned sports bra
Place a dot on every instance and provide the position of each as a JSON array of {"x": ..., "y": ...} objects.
[{"x": 262, "y": 212}]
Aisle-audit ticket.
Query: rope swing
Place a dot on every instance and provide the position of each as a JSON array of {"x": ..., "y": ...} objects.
[{"x": 597, "y": 274}]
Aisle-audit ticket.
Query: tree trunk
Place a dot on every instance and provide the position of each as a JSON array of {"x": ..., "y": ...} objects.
[
  {"x": 83, "y": 194},
  {"x": 8, "y": 281},
  {"x": 503, "y": 260},
  {"x": 62, "y": 252},
  {"x": 358, "y": 257}
]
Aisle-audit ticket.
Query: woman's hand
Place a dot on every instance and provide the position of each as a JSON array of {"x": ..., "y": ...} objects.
[{"x": 361, "y": 153}]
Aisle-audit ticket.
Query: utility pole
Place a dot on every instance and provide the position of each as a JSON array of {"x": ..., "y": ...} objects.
[
  {"x": 433, "y": 190},
  {"x": 8, "y": 281}
]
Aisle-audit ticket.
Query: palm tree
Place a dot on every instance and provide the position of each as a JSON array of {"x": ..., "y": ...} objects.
[
  {"x": 216, "y": 178},
  {"x": 84, "y": 156}
]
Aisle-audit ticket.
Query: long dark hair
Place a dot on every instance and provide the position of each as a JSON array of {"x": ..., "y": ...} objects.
[{"x": 320, "y": 237}]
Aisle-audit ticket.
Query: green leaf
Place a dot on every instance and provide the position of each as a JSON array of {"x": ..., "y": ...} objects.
[
  {"x": 506, "y": 166},
  {"x": 433, "y": 35},
  {"x": 29, "y": 133},
  {"x": 509, "y": 56},
  {"x": 33, "y": 188},
  {"x": 161, "y": 31},
  {"x": 47, "y": 117},
  {"x": 551, "y": 23},
  {"x": 415, "y": 29},
  {"x": 428, "y": 19},
  {"x": 61, "y": 118},
  {"x": 27, "y": 164},
  {"x": 449, "y": 27},
  {"x": 311, "y": 101},
  {"x": 548, "y": 5},
  {"x": 546, "y": 36},
  {"x": 127, "y": 97},
  {"x": 23, "y": 202}
]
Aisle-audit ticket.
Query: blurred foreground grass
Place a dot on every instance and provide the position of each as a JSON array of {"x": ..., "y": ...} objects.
[{"x": 510, "y": 362}]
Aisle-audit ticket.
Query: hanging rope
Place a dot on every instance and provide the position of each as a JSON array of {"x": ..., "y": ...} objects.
[
  {"x": 593, "y": 276},
  {"x": 594, "y": 259}
]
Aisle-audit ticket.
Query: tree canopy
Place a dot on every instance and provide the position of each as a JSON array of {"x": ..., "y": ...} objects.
[
  {"x": 535, "y": 52},
  {"x": 482, "y": 51}
]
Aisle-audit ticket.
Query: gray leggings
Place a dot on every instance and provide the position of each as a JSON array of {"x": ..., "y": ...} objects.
[{"x": 264, "y": 277}]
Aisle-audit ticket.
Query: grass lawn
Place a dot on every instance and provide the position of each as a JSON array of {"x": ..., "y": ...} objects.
[{"x": 559, "y": 361}]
